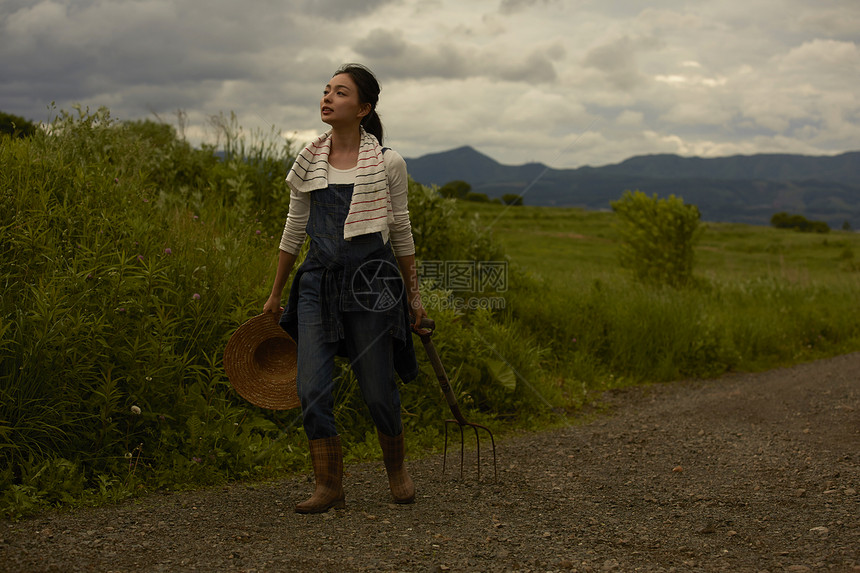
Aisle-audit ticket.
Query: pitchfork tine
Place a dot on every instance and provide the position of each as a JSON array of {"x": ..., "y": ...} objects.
[
  {"x": 477, "y": 451},
  {"x": 474, "y": 427},
  {"x": 445, "y": 450},
  {"x": 462, "y": 451}
]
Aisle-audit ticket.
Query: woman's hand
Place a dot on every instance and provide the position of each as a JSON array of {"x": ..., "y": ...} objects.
[
  {"x": 413, "y": 293},
  {"x": 417, "y": 312},
  {"x": 273, "y": 305},
  {"x": 285, "y": 266}
]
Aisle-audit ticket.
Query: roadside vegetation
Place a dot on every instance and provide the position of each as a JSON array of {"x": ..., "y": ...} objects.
[{"x": 130, "y": 257}]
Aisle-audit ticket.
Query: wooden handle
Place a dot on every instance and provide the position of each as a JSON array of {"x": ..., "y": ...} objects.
[{"x": 439, "y": 369}]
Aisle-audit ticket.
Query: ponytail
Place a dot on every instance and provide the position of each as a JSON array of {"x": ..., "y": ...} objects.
[{"x": 373, "y": 124}]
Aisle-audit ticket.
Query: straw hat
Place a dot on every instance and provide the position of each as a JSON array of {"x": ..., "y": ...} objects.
[{"x": 260, "y": 360}]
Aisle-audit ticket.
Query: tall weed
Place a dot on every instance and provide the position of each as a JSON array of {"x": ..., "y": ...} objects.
[{"x": 117, "y": 302}]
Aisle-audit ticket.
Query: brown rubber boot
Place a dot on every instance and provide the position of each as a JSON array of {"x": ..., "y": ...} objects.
[
  {"x": 393, "y": 452},
  {"x": 327, "y": 459}
]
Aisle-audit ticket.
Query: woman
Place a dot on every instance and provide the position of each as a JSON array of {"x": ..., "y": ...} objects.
[{"x": 354, "y": 293}]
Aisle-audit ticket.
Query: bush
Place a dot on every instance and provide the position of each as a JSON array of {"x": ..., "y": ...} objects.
[
  {"x": 657, "y": 237},
  {"x": 477, "y": 197},
  {"x": 441, "y": 233},
  {"x": 800, "y": 223},
  {"x": 121, "y": 286},
  {"x": 16, "y": 126},
  {"x": 512, "y": 199},
  {"x": 455, "y": 189}
]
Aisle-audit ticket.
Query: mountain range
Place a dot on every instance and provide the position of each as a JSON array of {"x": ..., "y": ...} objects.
[{"x": 741, "y": 188}]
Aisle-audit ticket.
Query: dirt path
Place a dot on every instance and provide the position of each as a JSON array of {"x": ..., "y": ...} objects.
[{"x": 747, "y": 473}]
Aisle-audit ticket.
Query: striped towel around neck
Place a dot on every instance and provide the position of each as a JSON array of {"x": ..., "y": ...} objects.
[{"x": 370, "y": 208}]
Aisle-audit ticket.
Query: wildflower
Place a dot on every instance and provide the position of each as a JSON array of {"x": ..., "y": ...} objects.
[
  {"x": 197, "y": 460},
  {"x": 139, "y": 257},
  {"x": 168, "y": 251},
  {"x": 121, "y": 309},
  {"x": 258, "y": 231},
  {"x": 573, "y": 340},
  {"x": 116, "y": 179},
  {"x": 135, "y": 410},
  {"x": 196, "y": 296}
]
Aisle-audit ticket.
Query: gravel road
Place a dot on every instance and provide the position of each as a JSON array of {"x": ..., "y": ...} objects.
[{"x": 749, "y": 472}]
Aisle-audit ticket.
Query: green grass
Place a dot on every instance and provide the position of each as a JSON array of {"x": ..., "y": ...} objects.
[
  {"x": 566, "y": 243},
  {"x": 130, "y": 258},
  {"x": 762, "y": 297}
]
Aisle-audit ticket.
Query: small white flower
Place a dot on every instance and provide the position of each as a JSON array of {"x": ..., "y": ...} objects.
[{"x": 135, "y": 410}]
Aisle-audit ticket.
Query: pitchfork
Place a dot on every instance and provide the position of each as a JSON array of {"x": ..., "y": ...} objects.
[{"x": 428, "y": 326}]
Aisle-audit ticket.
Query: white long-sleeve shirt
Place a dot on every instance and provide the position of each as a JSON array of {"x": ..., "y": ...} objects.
[{"x": 399, "y": 232}]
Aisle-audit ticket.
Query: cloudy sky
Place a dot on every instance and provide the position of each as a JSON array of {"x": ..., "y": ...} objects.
[{"x": 564, "y": 82}]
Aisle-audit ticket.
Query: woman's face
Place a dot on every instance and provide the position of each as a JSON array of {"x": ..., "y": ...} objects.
[{"x": 340, "y": 103}]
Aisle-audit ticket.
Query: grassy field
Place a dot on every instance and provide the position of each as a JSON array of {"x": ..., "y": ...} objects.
[
  {"x": 763, "y": 297},
  {"x": 567, "y": 245}
]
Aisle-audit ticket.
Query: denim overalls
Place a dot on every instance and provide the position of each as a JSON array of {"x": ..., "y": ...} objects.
[{"x": 347, "y": 299}]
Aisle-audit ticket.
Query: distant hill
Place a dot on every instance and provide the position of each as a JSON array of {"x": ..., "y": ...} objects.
[{"x": 741, "y": 188}]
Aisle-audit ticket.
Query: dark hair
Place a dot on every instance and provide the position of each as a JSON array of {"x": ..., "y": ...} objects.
[{"x": 368, "y": 92}]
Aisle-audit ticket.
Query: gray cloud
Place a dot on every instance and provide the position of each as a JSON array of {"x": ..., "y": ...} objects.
[
  {"x": 514, "y": 6},
  {"x": 391, "y": 53},
  {"x": 388, "y": 51},
  {"x": 617, "y": 60},
  {"x": 684, "y": 76},
  {"x": 145, "y": 54},
  {"x": 536, "y": 67},
  {"x": 384, "y": 44},
  {"x": 341, "y": 10}
]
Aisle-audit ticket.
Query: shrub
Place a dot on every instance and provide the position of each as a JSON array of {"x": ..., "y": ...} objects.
[
  {"x": 477, "y": 197},
  {"x": 442, "y": 233},
  {"x": 121, "y": 286},
  {"x": 657, "y": 237},
  {"x": 800, "y": 223},
  {"x": 512, "y": 199},
  {"x": 455, "y": 189},
  {"x": 462, "y": 190},
  {"x": 16, "y": 126}
]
